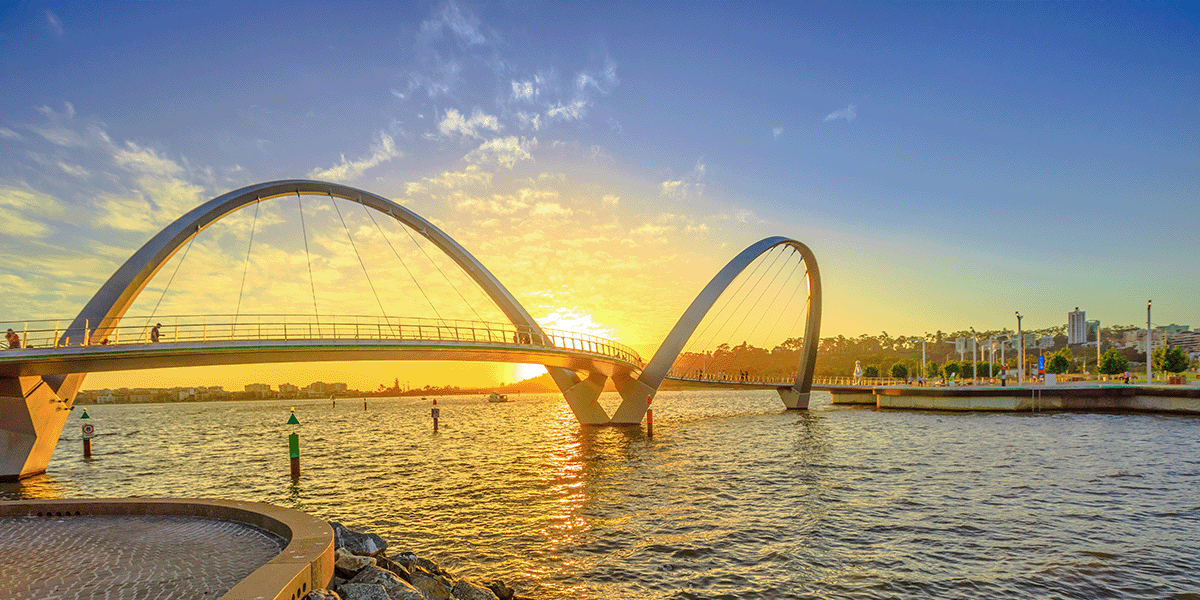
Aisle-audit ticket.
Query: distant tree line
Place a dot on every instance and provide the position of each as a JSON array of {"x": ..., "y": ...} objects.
[{"x": 900, "y": 357}]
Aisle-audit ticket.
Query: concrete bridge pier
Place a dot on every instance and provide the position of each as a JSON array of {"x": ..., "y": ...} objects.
[
  {"x": 33, "y": 419},
  {"x": 582, "y": 395},
  {"x": 794, "y": 399}
]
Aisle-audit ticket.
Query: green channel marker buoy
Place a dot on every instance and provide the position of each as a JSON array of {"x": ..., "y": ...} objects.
[
  {"x": 294, "y": 446},
  {"x": 88, "y": 432}
]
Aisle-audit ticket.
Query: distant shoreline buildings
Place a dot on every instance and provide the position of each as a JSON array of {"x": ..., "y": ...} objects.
[{"x": 253, "y": 391}]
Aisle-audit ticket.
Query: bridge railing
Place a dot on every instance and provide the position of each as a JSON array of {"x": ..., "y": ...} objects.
[
  {"x": 753, "y": 379},
  {"x": 859, "y": 381},
  {"x": 718, "y": 377},
  {"x": 290, "y": 327}
]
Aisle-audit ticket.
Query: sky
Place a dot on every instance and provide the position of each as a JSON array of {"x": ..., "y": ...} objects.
[{"x": 947, "y": 163}]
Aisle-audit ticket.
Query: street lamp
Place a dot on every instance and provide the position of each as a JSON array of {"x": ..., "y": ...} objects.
[
  {"x": 974, "y": 358},
  {"x": 921, "y": 371},
  {"x": 1149, "y": 347},
  {"x": 991, "y": 361},
  {"x": 1020, "y": 352}
]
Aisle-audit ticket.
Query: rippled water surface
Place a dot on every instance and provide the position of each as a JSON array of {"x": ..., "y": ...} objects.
[{"x": 732, "y": 498}]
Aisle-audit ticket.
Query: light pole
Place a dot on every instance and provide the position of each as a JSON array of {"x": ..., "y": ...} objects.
[
  {"x": 921, "y": 371},
  {"x": 1149, "y": 347},
  {"x": 992, "y": 359},
  {"x": 1020, "y": 352},
  {"x": 974, "y": 358}
]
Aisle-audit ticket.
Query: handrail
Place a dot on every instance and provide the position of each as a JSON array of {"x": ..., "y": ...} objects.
[
  {"x": 48, "y": 333},
  {"x": 754, "y": 379}
]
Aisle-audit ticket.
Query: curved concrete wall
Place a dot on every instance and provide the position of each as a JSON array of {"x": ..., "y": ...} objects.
[{"x": 306, "y": 562}]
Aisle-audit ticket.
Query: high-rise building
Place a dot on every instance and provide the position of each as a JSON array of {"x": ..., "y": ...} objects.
[{"x": 1076, "y": 326}]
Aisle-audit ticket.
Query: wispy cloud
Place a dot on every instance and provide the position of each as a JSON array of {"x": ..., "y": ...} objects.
[
  {"x": 690, "y": 185},
  {"x": 456, "y": 122},
  {"x": 464, "y": 26},
  {"x": 847, "y": 113},
  {"x": 8, "y": 134},
  {"x": 778, "y": 131},
  {"x": 383, "y": 149},
  {"x": 506, "y": 151},
  {"x": 55, "y": 24},
  {"x": 21, "y": 212}
]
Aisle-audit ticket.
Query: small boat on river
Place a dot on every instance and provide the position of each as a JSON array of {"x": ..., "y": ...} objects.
[{"x": 494, "y": 397}]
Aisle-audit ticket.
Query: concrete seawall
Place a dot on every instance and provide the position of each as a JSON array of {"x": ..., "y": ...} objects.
[{"x": 1077, "y": 398}]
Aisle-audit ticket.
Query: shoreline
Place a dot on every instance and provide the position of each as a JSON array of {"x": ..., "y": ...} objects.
[{"x": 1165, "y": 399}]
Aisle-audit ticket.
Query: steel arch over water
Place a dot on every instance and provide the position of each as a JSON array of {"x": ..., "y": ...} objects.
[{"x": 38, "y": 385}]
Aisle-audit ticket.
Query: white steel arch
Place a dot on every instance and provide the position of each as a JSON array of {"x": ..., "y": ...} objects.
[
  {"x": 636, "y": 392},
  {"x": 109, "y": 304}
]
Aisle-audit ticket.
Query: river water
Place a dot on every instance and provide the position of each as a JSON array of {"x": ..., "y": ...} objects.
[{"x": 734, "y": 497}]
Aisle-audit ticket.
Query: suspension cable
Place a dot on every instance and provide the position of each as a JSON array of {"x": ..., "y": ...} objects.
[
  {"x": 795, "y": 290},
  {"x": 743, "y": 299},
  {"x": 404, "y": 264},
  {"x": 778, "y": 290},
  {"x": 308, "y": 259},
  {"x": 760, "y": 295},
  {"x": 439, "y": 270},
  {"x": 168, "y": 286},
  {"x": 360, "y": 259},
  {"x": 237, "y": 311},
  {"x": 728, "y": 301}
]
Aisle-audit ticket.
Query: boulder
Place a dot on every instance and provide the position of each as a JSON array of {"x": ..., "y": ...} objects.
[
  {"x": 466, "y": 590},
  {"x": 396, "y": 568},
  {"x": 432, "y": 586},
  {"x": 363, "y": 591},
  {"x": 362, "y": 544},
  {"x": 322, "y": 595},
  {"x": 348, "y": 565},
  {"x": 499, "y": 588},
  {"x": 397, "y": 589},
  {"x": 409, "y": 560}
]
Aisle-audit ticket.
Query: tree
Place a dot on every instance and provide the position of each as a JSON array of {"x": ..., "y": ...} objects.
[
  {"x": 1171, "y": 360},
  {"x": 871, "y": 371},
  {"x": 952, "y": 368},
  {"x": 1113, "y": 363},
  {"x": 1059, "y": 362},
  {"x": 899, "y": 371},
  {"x": 932, "y": 369}
]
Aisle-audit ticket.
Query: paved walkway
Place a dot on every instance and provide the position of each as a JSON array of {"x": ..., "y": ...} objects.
[{"x": 128, "y": 557}]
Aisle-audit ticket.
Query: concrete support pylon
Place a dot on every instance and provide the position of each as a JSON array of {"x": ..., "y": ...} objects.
[
  {"x": 793, "y": 398},
  {"x": 582, "y": 396},
  {"x": 34, "y": 417},
  {"x": 634, "y": 395}
]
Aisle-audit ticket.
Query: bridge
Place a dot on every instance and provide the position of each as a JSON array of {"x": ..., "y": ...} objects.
[{"x": 39, "y": 381}]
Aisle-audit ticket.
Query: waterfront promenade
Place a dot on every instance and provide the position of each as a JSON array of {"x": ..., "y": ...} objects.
[{"x": 1076, "y": 397}]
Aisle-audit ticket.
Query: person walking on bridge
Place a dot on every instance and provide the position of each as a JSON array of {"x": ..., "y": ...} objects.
[
  {"x": 14, "y": 340},
  {"x": 154, "y": 333}
]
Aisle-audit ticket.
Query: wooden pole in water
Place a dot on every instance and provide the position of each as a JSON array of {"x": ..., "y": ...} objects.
[
  {"x": 435, "y": 412},
  {"x": 649, "y": 418},
  {"x": 294, "y": 446}
]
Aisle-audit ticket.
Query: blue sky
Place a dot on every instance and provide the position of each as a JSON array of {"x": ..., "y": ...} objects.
[{"x": 948, "y": 163}]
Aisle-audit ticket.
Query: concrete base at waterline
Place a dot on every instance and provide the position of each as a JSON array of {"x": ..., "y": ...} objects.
[
  {"x": 794, "y": 399},
  {"x": 846, "y": 394},
  {"x": 32, "y": 417},
  {"x": 1159, "y": 399}
]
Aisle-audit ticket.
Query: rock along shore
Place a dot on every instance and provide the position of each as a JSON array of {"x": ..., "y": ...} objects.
[{"x": 365, "y": 571}]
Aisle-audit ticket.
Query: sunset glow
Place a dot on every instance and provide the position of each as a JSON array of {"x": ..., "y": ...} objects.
[{"x": 602, "y": 171}]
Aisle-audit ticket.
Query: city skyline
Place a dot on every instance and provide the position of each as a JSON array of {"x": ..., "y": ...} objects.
[{"x": 948, "y": 164}]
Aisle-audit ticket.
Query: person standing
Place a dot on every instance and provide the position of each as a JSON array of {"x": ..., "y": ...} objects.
[
  {"x": 14, "y": 340},
  {"x": 154, "y": 333}
]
